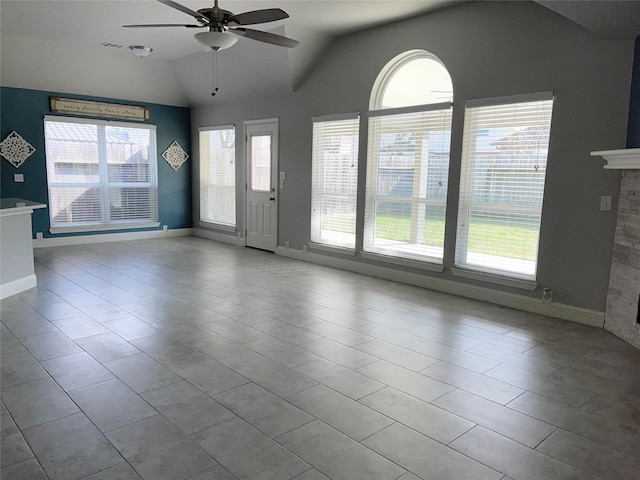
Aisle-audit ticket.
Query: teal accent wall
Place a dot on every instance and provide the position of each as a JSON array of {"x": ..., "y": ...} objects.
[{"x": 24, "y": 110}]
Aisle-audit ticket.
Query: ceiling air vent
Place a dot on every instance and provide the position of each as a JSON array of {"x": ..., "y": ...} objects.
[{"x": 111, "y": 45}]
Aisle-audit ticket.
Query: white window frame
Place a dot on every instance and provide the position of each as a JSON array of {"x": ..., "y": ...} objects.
[
  {"x": 521, "y": 274},
  {"x": 415, "y": 254},
  {"x": 321, "y": 197},
  {"x": 106, "y": 222},
  {"x": 227, "y": 219}
]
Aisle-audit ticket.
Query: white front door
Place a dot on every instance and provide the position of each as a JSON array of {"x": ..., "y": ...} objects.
[{"x": 262, "y": 180}]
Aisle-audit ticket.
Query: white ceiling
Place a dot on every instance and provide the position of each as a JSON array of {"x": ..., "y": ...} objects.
[{"x": 87, "y": 24}]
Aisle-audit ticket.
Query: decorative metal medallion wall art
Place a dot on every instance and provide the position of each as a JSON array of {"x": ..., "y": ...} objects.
[
  {"x": 16, "y": 149},
  {"x": 175, "y": 155}
]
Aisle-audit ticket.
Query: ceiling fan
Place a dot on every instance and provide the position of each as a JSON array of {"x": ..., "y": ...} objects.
[{"x": 224, "y": 27}]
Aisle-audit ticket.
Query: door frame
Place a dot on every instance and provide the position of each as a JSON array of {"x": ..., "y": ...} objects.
[{"x": 273, "y": 126}]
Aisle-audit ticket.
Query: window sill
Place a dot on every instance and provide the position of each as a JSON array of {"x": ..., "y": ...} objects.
[
  {"x": 332, "y": 248},
  {"x": 522, "y": 284},
  {"x": 419, "y": 264},
  {"x": 217, "y": 226},
  {"x": 103, "y": 227}
]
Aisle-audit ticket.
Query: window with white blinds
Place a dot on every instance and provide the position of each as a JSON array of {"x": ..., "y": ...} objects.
[
  {"x": 504, "y": 162},
  {"x": 334, "y": 180},
  {"x": 407, "y": 178},
  {"x": 218, "y": 175},
  {"x": 101, "y": 175}
]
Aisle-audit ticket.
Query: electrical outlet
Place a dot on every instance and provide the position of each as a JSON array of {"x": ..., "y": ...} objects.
[
  {"x": 18, "y": 177},
  {"x": 286, "y": 244},
  {"x": 547, "y": 295},
  {"x": 39, "y": 235},
  {"x": 165, "y": 228}
]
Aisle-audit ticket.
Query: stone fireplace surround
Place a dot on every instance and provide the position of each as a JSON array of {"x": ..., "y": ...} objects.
[{"x": 622, "y": 316}]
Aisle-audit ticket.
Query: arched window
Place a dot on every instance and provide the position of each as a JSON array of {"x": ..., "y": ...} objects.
[{"x": 408, "y": 158}]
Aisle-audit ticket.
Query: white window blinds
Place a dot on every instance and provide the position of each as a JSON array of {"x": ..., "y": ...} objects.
[
  {"x": 100, "y": 174},
  {"x": 504, "y": 162},
  {"x": 218, "y": 176},
  {"x": 334, "y": 180},
  {"x": 407, "y": 177}
]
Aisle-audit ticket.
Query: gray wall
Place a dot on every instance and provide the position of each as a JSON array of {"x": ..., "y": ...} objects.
[{"x": 491, "y": 49}]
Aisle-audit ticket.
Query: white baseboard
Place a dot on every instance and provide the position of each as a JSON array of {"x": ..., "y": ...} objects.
[
  {"x": 111, "y": 237},
  {"x": 219, "y": 237},
  {"x": 520, "y": 302},
  {"x": 16, "y": 286}
]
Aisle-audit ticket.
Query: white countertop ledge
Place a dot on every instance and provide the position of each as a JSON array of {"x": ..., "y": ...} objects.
[{"x": 623, "y": 159}]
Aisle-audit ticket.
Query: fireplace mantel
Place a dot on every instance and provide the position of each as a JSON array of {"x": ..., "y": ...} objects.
[{"x": 623, "y": 159}]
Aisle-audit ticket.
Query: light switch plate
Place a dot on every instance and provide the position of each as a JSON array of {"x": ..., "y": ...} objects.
[
  {"x": 18, "y": 177},
  {"x": 605, "y": 203},
  {"x": 283, "y": 176}
]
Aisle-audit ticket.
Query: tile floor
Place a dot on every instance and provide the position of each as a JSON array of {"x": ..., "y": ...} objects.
[{"x": 189, "y": 359}]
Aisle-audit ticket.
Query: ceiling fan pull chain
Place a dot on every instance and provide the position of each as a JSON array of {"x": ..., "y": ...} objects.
[{"x": 215, "y": 73}]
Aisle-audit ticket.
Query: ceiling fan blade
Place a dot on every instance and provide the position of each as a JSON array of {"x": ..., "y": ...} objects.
[
  {"x": 259, "y": 16},
  {"x": 265, "y": 37},
  {"x": 188, "y": 11},
  {"x": 163, "y": 25}
]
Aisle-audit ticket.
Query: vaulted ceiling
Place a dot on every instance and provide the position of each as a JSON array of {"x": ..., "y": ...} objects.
[{"x": 60, "y": 45}]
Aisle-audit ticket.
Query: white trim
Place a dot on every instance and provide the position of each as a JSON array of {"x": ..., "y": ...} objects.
[
  {"x": 522, "y": 98},
  {"x": 111, "y": 237},
  {"x": 623, "y": 159},
  {"x": 350, "y": 252},
  {"x": 528, "y": 304},
  {"x": 214, "y": 128},
  {"x": 98, "y": 121},
  {"x": 219, "y": 237},
  {"x": 407, "y": 262},
  {"x": 103, "y": 227},
  {"x": 497, "y": 279},
  {"x": 218, "y": 226},
  {"x": 336, "y": 117},
  {"x": 16, "y": 286}
]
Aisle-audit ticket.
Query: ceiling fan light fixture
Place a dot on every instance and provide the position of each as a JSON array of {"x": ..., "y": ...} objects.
[
  {"x": 140, "y": 50},
  {"x": 216, "y": 40}
]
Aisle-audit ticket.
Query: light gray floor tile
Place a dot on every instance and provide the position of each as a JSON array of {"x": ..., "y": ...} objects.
[
  {"x": 159, "y": 451},
  {"x": 122, "y": 471},
  {"x": 590, "y": 456},
  {"x": 425, "y": 457},
  {"x": 340, "y": 412},
  {"x": 165, "y": 348},
  {"x": 594, "y": 383},
  {"x": 131, "y": 328},
  {"x": 33, "y": 324},
  {"x": 13, "y": 448},
  {"x": 37, "y": 402},
  {"x": 456, "y": 356},
  {"x": 111, "y": 405},
  {"x": 58, "y": 311},
  {"x": 408, "y": 381},
  {"x": 248, "y": 453},
  {"x": 336, "y": 455},
  {"x": 78, "y": 327},
  {"x": 187, "y": 407},
  {"x": 71, "y": 448},
  {"x": 421, "y": 416},
  {"x": 141, "y": 372},
  {"x": 235, "y": 331},
  {"x": 489, "y": 388},
  {"x": 338, "y": 333},
  {"x": 500, "y": 419},
  {"x": 311, "y": 474},
  {"x": 208, "y": 375},
  {"x": 339, "y": 353},
  {"x": 443, "y": 335},
  {"x": 76, "y": 370},
  {"x": 27, "y": 470},
  {"x": 339, "y": 378},
  {"x": 274, "y": 376},
  {"x": 281, "y": 352},
  {"x": 389, "y": 334},
  {"x": 224, "y": 351},
  {"x": 107, "y": 346},
  {"x": 542, "y": 385},
  {"x": 289, "y": 333},
  {"x": 8, "y": 341},
  {"x": 267, "y": 412},
  {"x": 515, "y": 359},
  {"x": 563, "y": 355},
  {"x": 400, "y": 356},
  {"x": 215, "y": 473},
  {"x": 50, "y": 345},
  {"x": 513, "y": 458},
  {"x": 605, "y": 428},
  {"x": 19, "y": 367}
]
